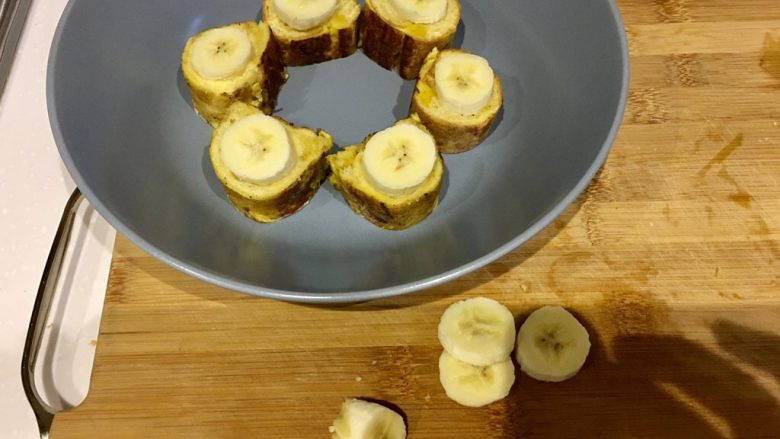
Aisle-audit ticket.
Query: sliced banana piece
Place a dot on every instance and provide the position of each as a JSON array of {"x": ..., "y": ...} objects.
[
  {"x": 464, "y": 82},
  {"x": 399, "y": 158},
  {"x": 361, "y": 419},
  {"x": 257, "y": 149},
  {"x": 479, "y": 331},
  {"x": 552, "y": 345},
  {"x": 475, "y": 386},
  {"x": 303, "y": 15},
  {"x": 421, "y": 11},
  {"x": 221, "y": 52}
]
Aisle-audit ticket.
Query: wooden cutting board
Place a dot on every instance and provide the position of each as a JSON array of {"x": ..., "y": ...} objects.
[{"x": 671, "y": 258}]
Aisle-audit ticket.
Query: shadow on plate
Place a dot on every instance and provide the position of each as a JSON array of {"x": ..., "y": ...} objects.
[
  {"x": 184, "y": 90},
  {"x": 477, "y": 29},
  {"x": 210, "y": 176},
  {"x": 404, "y": 100}
]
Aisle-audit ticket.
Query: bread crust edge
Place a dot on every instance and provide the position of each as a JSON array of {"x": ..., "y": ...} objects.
[{"x": 392, "y": 48}]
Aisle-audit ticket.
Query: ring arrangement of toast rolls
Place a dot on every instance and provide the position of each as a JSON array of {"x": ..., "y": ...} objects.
[{"x": 271, "y": 169}]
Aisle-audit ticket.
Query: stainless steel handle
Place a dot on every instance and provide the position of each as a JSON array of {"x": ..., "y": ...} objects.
[
  {"x": 13, "y": 14},
  {"x": 44, "y": 413}
]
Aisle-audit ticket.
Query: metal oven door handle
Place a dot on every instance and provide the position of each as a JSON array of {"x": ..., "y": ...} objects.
[
  {"x": 44, "y": 414},
  {"x": 13, "y": 14}
]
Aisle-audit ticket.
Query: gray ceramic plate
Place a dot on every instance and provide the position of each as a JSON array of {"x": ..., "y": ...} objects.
[{"x": 121, "y": 117}]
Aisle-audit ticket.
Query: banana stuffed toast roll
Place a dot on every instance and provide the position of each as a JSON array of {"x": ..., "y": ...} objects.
[
  {"x": 239, "y": 62},
  {"x": 457, "y": 97},
  {"x": 399, "y": 34},
  {"x": 313, "y": 31},
  {"x": 269, "y": 168},
  {"x": 393, "y": 178}
]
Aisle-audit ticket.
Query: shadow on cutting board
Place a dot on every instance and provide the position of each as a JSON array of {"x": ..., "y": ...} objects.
[
  {"x": 650, "y": 386},
  {"x": 758, "y": 348}
]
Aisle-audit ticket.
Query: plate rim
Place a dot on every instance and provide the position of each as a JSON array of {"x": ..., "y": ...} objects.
[{"x": 346, "y": 296}]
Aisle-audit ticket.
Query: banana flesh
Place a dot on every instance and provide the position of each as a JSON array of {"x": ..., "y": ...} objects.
[
  {"x": 221, "y": 52},
  {"x": 398, "y": 159},
  {"x": 421, "y": 11},
  {"x": 478, "y": 336},
  {"x": 361, "y": 419},
  {"x": 479, "y": 331},
  {"x": 552, "y": 345},
  {"x": 303, "y": 15},
  {"x": 464, "y": 82},
  {"x": 475, "y": 386},
  {"x": 257, "y": 149}
]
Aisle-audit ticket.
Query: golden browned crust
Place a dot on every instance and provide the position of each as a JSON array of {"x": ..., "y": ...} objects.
[
  {"x": 390, "y": 217},
  {"x": 393, "y": 48},
  {"x": 291, "y": 200},
  {"x": 453, "y": 133},
  {"x": 452, "y": 138},
  {"x": 211, "y": 106},
  {"x": 380, "y": 41},
  {"x": 275, "y": 76},
  {"x": 388, "y": 212},
  {"x": 320, "y": 48},
  {"x": 334, "y": 39},
  {"x": 282, "y": 198},
  {"x": 259, "y": 85}
]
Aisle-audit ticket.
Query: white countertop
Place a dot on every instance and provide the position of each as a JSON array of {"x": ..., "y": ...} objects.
[{"x": 34, "y": 187}]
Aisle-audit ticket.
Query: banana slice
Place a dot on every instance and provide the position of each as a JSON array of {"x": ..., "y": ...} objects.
[
  {"x": 479, "y": 331},
  {"x": 367, "y": 420},
  {"x": 475, "y": 386},
  {"x": 303, "y": 15},
  {"x": 257, "y": 149},
  {"x": 399, "y": 158},
  {"x": 464, "y": 82},
  {"x": 421, "y": 11},
  {"x": 221, "y": 52},
  {"x": 552, "y": 345}
]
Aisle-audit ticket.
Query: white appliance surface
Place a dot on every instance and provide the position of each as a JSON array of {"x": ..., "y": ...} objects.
[{"x": 34, "y": 186}]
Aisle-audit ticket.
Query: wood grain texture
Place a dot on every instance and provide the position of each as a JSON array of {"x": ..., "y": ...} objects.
[{"x": 671, "y": 258}]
